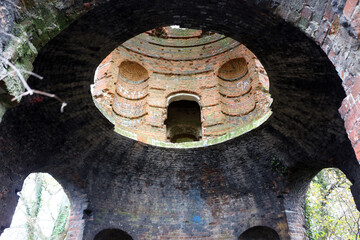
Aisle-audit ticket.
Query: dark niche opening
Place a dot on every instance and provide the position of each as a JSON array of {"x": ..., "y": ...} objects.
[
  {"x": 112, "y": 234},
  {"x": 260, "y": 233},
  {"x": 183, "y": 123}
]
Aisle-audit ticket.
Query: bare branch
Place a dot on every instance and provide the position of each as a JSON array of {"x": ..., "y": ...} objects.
[
  {"x": 10, "y": 1},
  {"x": 21, "y": 77},
  {"x": 33, "y": 74},
  {"x": 25, "y": 71},
  {"x": 9, "y": 35},
  {"x": 29, "y": 90},
  {"x": 1, "y": 78}
]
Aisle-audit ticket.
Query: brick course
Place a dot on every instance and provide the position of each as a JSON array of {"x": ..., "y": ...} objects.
[
  {"x": 143, "y": 189},
  {"x": 194, "y": 69}
]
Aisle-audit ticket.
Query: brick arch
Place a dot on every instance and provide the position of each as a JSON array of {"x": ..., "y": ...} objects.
[
  {"x": 333, "y": 25},
  {"x": 259, "y": 232},
  {"x": 112, "y": 234},
  {"x": 73, "y": 185},
  {"x": 76, "y": 197},
  {"x": 304, "y": 84}
]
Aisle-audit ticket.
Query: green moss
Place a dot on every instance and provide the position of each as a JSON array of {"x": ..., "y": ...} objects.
[{"x": 32, "y": 33}]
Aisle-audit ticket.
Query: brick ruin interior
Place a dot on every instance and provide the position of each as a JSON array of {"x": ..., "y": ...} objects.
[
  {"x": 130, "y": 168},
  {"x": 182, "y": 85}
]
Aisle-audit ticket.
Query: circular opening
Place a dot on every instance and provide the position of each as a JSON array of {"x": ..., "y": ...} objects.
[
  {"x": 133, "y": 71},
  {"x": 233, "y": 69},
  {"x": 183, "y": 66}
]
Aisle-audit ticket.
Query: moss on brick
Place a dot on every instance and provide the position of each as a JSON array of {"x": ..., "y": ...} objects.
[{"x": 31, "y": 34}]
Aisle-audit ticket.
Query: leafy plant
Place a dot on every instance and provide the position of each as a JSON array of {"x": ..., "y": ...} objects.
[
  {"x": 278, "y": 165},
  {"x": 330, "y": 209}
]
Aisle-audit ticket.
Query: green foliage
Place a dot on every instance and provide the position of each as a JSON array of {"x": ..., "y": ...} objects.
[
  {"x": 330, "y": 209},
  {"x": 36, "y": 200},
  {"x": 61, "y": 221},
  {"x": 278, "y": 165},
  {"x": 38, "y": 190}
]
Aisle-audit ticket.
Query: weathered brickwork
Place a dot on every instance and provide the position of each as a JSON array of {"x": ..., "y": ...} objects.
[
  {"x": 231, "y": 84},
  {"x": 215, "y": 192},
  {"x": 334, "y": 25}
]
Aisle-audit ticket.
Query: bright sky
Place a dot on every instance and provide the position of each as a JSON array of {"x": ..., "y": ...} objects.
[{"x": 52, "y": 197}]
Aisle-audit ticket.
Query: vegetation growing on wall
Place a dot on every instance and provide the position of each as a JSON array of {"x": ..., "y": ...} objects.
[
  {"x": 42, "y": 212},
  {"x": 37, "y": 21},
  {"x": 330, "y": 208},
  {"x": 278, "y": 166}
]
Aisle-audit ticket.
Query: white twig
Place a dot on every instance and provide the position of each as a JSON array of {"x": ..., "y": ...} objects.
[
  {"x": 2, "y": 77},
  {"x": 29, "y": 90},
  {"x": 21, "y": 77},
  {"x": 9, "y": 35},
  {"x": 25, "y": 71},
  {"x": 33, "y": 74},
  {"x": 16, "y": 6}
]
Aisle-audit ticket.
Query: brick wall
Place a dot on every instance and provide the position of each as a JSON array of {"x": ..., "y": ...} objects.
[{"x": 334, "y": 25}]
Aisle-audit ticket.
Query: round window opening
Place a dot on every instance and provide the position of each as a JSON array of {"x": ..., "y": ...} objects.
[{"x": 177, "y": 87}]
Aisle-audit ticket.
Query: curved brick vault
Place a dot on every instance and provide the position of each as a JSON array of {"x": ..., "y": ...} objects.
[
  {"x": 136, "y": 83},
  {"x": 216, "y": 192}
]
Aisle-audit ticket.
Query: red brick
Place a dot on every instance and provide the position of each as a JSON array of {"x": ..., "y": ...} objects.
[
  {"x": 355, "y": 88},
  {"x": 104, "y": 71},
  {"x": 350, "y": 7},
  {"x": 348, "y": 82},
  {"x": 322, "y": 32},
  {"x": 306, "y": 12},
  {"x": 345, "y": 106},
  {"x": 214, "y": 93},
  {"x": 352, "y": 116},
  {"x": 353, "y": 135},
  {"x": 332, "y": 56},
  {"x": 357, "y": 151},
  {"x": 329, "y": 13},
  {"x": 355, "y": 22}
]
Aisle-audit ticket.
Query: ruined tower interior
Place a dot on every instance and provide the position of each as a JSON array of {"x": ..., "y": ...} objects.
[{"x": 184, "y": 119}]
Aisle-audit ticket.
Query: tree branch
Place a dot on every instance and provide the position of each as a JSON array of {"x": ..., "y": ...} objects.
[{"x": 29, "y": 90}]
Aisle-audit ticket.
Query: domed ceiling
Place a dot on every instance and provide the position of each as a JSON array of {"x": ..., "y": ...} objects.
[{"x": 177, "y": 87}]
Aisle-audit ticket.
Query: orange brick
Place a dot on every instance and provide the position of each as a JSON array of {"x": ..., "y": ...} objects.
[{"x": 350, "y": 7}]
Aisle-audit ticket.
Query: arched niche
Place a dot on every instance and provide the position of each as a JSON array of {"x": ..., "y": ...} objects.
[
  {"x": 182, "y": 96},
  {"x": 133, "y": 72},
  {"x": 259, "y": 233},
  {"x": 233, "y": 69},
  {"x": 183, "y": 123},
  {"x": 112, "y": 234}
]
